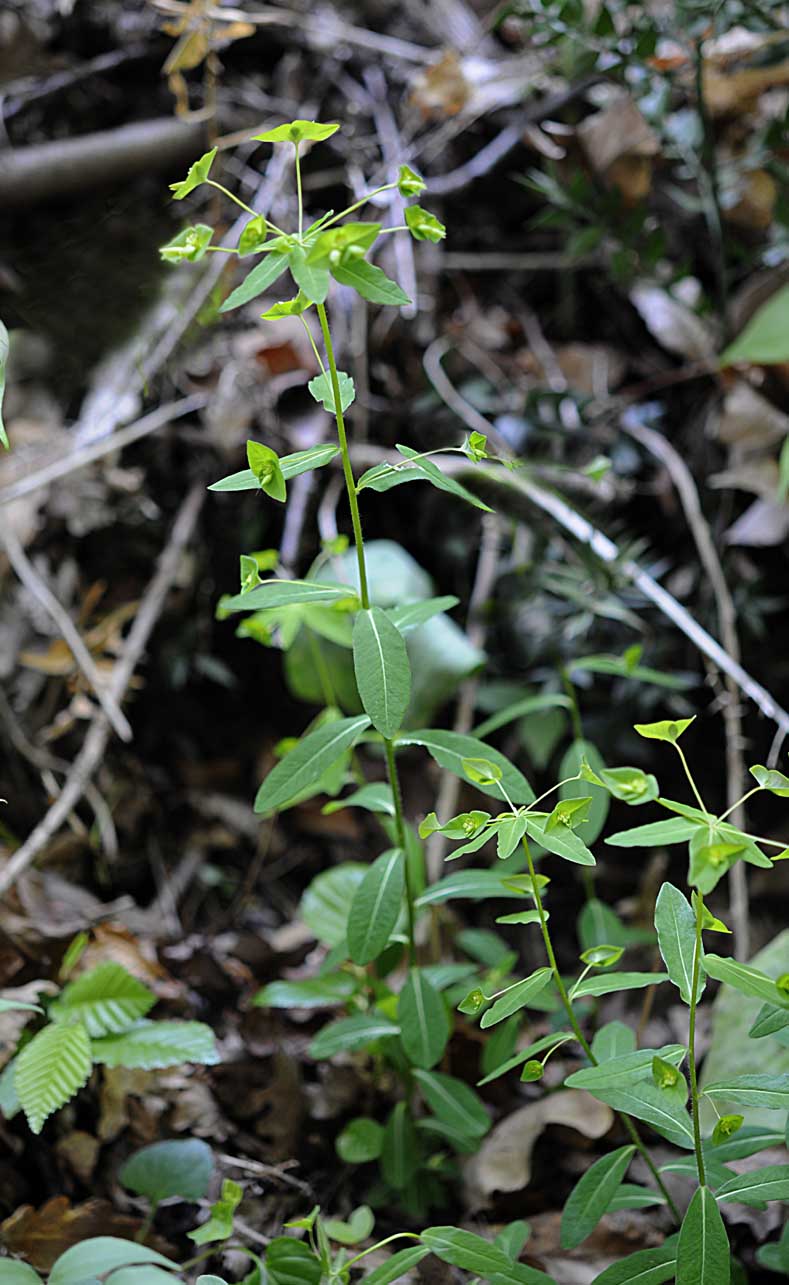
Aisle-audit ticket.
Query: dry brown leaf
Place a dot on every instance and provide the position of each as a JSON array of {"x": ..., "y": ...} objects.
[
  {"x": 764, "y": 524},
  {"x": 753, "y": 209},
  {"x": 503, "y": 1162},
  {"x": 734, "y": 93},
  {"x": 79, "y": 1151},
  {"x": 672, "y": 324},
  {"x": 113, "y": 941},
  {"x": 749, "y": 421},
  {"x": 757, "y": 476},
  {"x": 42, "y": 1235},
  {"x": 619, "y": 145},
  {"x": 441, "y": 90},
  {"x": 118, "y": 1086}
]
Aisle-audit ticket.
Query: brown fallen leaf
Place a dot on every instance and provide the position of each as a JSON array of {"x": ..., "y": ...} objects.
[
  {"x": 441, "y": 90},
  {"x": 79, "y": 1151},
  {"x": 42, "y": 1235},
  {"x": 619, "y": 145}
]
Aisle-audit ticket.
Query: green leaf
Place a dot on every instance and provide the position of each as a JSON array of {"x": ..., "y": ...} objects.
[
  {"x": 608, "y": 984},
  {"x": 666, "y": 730},
  {"x": 471, "y": 885},
  {"x": 466, "y": 1250},
  {"x": 645, "y": 1267},
  {"x": 454, "y": 1102},
  {"x": 358, "y": 1227},
  {"x": 257, "y": 282},
  {"x": 287, "y": 308},
  {"x": 561, "y": 842},
  {"x": 630, "y": 784},
  {"x": 631, "y": 1196},
  {"x": 747, "y": 980},
  {"x": 768, "y": 1021},
  {"x": 411, "y": 615},
  {"x": 601, "y": 801},
  {"x": 376, "y": 906},
  {"x": 771, "y": 780},
  {"x": 516, "y": 997},
  {"x": 433, "y": 474},
  {"x": 521, "y": 1274},
  {"x": 306, "y": 762},
  {"x": 253, "y": 236},
  {"x": 525, "y": 1055},
  {"x": 646, "y": 1102},
  {"x": 331, "y": 244},
  {"x": 674, "y": 830},
  {"x": 321, "y": 389},
  {"x": 361, "y": 1031},
  {"x": 376, "y": 796},
  {"x": 189, "y": 245},
  {"x": 324, "y": 906},
  {"x": 360, "y": 1141},
  {"x": 219, "y": 1224},
  {"x": 768, "y": 1183},
  {"x": 149, "y": 1045},
  {"x": 292, "y": 1262},
  {"x": 51, "y": 1069},
  {"x": 312, "y": 992},
  {"x": 449, "y": 749},
  {"x": 400, "y": 1148},
  {"x": 370, "y": 282},
  {"x": 198, "y": 173},
  {"x": 675, "y": 923},
  {"x": 424, "y": 1022},
  {"x": 298, "y": 131},
  {"x": 16, "y": 1273},
  {"x": 267, "y": 469},
  {"x": 765, "y": 339},
  {"x": 624, "y": 1068},
  {"x": 178, "y": 1167},
  {"x": 748, "y": 1141},
  {"x": 509, "y": 834},
  {"x": 423, "y": 225},
  {"x": 10, "y": 1005},
  {"x": 100, "y": 1255},
  {"x": 397, "y": 1267},
  {"x": 3, "y": 361},
  {"x": 592, "y": 1195},
  {"x": 311, "y": 278},
  {"x": 291, "y": 465},
  {"x": 106, "y": 1000},
  {"x": 770, "y": 1091},
  {"x": 613, "y": 1040},
  {"x": 409, "y": 182},
  {"x": 383, "y": 674},
  {"x": 287, "y": 593},
  {"x": 703, "y": 1255}
]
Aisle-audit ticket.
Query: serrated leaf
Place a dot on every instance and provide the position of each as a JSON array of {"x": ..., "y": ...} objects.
[
  {"x": 399, "y": 1148},
  {"x": 197, "y": 174},
  {"x": 369, "y": 282},
  {"x": 703, "y": 1255},
  {"x": 321, "y": 389},
  {"x": 376, "y": 906},
  {"x": 150, "y": 1045},
  {"x": 454, "y": 1102},
  {"x": 516, "y": 997},
  {"x": 177, "y": 1167},
  {"x": 257, "y": 282},
  {"x": 383, "y": 674},
  {"x": 592, "y": 1195},
  {"x": 449, "y": 749},
  {"x": 768, "y": 1183},
  {"x": 51, "y": 1069},
  {"x": 675, "y": 924},
  {"x": 106, "y": 1000},
  {"x": 306, "y": 762},
  {"x": 424, "y": 1022},
  {"x": 611, "y": 983},
  {"x": 747, "y": 980},
  {"x": 100, "y": 1255},
  {"x": 298, "y": 131}
]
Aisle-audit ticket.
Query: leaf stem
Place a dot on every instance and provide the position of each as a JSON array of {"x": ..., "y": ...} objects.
[
  {"x": 398, "y": 1235},
  {"x": 581, "y": 1038},
  {"x": 689, "y": 775},
  {"x": 694, "y": 1088},
  {"x": 242, "y": 205},
  {"x": 298, "y": 191},
  {"x": 756, "y": 790},
  {"x": 387, "y": 187}
]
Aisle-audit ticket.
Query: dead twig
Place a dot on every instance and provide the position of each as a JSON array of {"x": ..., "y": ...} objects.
[{"x": 95, "y": 743}]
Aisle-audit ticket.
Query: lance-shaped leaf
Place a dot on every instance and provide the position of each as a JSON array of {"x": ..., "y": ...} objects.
[
  {"x": 466, "y": 1250},
  {"x": 673, "y": 830},
  {"x": 430, "y": 470},
  {"x": 770, "y": 1091},
  {"x": 291, "y": 465},
  {"x": 376, "y": 906},
  {"x": 450, "y": 749},
  {"x": 369, "y": 282},
  {"x": 748, "y": 980},
  {"x": 675, "y": 924},
  {"x": 51, "y": 1069},
  {"x": 645, "y": 1267},
  {"x": 592, "y": 1195},
  {"x": 424, "y": 1023},
  {"x": 626, "y": 1068},
  {"x": 397, "y": 1267},
  {"x": 768, "y": 1183},
  {"x": 307, "y": 761},
  {"x": 646, "y": 1102},
  {"x": 400, "y": 1148},
  {"x": 517, "y": 997},
  {"x": 562, "y": 842},
  {"x": 311, "y": 992},
  {"x": 383, "y": 674},
  {"x": 611, "y": 983},
  {"x": 263, "y": 275},
  {"x": 287, "y": 593},
  {"x": 703, "y": 1255},
  {"x": 765, "y": 339},
  {"x": 769, "y": 1021},
  {"x": 350, "y": 1033},
  {"x": 454, "y": 1102},
  {"x": 471, "y": 885},
  {"x": 413, "y": 614}
]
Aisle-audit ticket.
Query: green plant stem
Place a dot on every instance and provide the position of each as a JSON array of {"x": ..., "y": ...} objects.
[
  {"x": 242, "y": 205},
  {"x": 694, "y": 1088},
  {"x": 356, "y": 522},
  {"x": 298, "y": 191},
  {"x": 575, "y": 713},
  {"x": 581, "y": 1038},
  {"x": 689, "y": 775},
  {"x": 739, "y": 802},
  {"x": 398, "y": 1235},
  {"x": 358, "y": 204},
  {"x": 350, "y": 485}
]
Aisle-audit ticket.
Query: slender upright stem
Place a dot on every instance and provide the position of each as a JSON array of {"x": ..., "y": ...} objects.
[
  {"x": 298, "y": 191},
  {"x": 689, "y": 775},
  {"x": 394, "y": 781},
  {"x": 694, "y": 1088},
  {"x": 350, "y": 485},
  {"x": 581, "y": 1038}
]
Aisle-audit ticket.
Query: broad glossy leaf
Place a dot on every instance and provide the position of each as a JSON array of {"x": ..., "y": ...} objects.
[
  {"x": 424, "y": 1023},
  {"x": 769, "y": 1183},
  {"x": 150, "y": 1045},
  {"x": 454, "y": 1102},
  {"x": 592, "y": 1195},
  {"x": 645, "y": 1267},
  {"x": 771, "y": 1091},
  {"x": 747, "y": 979},
  {"x": 400, "y": 1148},
  {"x": 298, "y": 131},
  {"x": 99, "y": 1255},
  {"x": 370, "y": 282},
  {"x": 177, "y": 1167},
  {"x": 466, "y": 1250},
  {"x": 376, "y": 906},
  {"x": 287, "y": 593},
  {"x": 305, "y": 764},
  {"x": 257, "y": 282},
  {"x": 675, "y": 923},
  {"x": 517, "y": 997},
  {"x": 106, "y": 1000},
  {"x": 51, "y": 1069},
  {"x": 383, "y": 674},
  {"x": 610, "y": 983},
  {"x": 449, "y": 749},
  {"x": 703, "y": 1255},
  {"x": 321, "y": 388}
]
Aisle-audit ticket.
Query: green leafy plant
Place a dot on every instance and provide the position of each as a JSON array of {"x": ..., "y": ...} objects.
[{"x": 98, "y": 1019}]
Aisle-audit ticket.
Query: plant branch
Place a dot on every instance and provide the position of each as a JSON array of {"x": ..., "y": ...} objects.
[{"x": 694, "y": 1088}]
